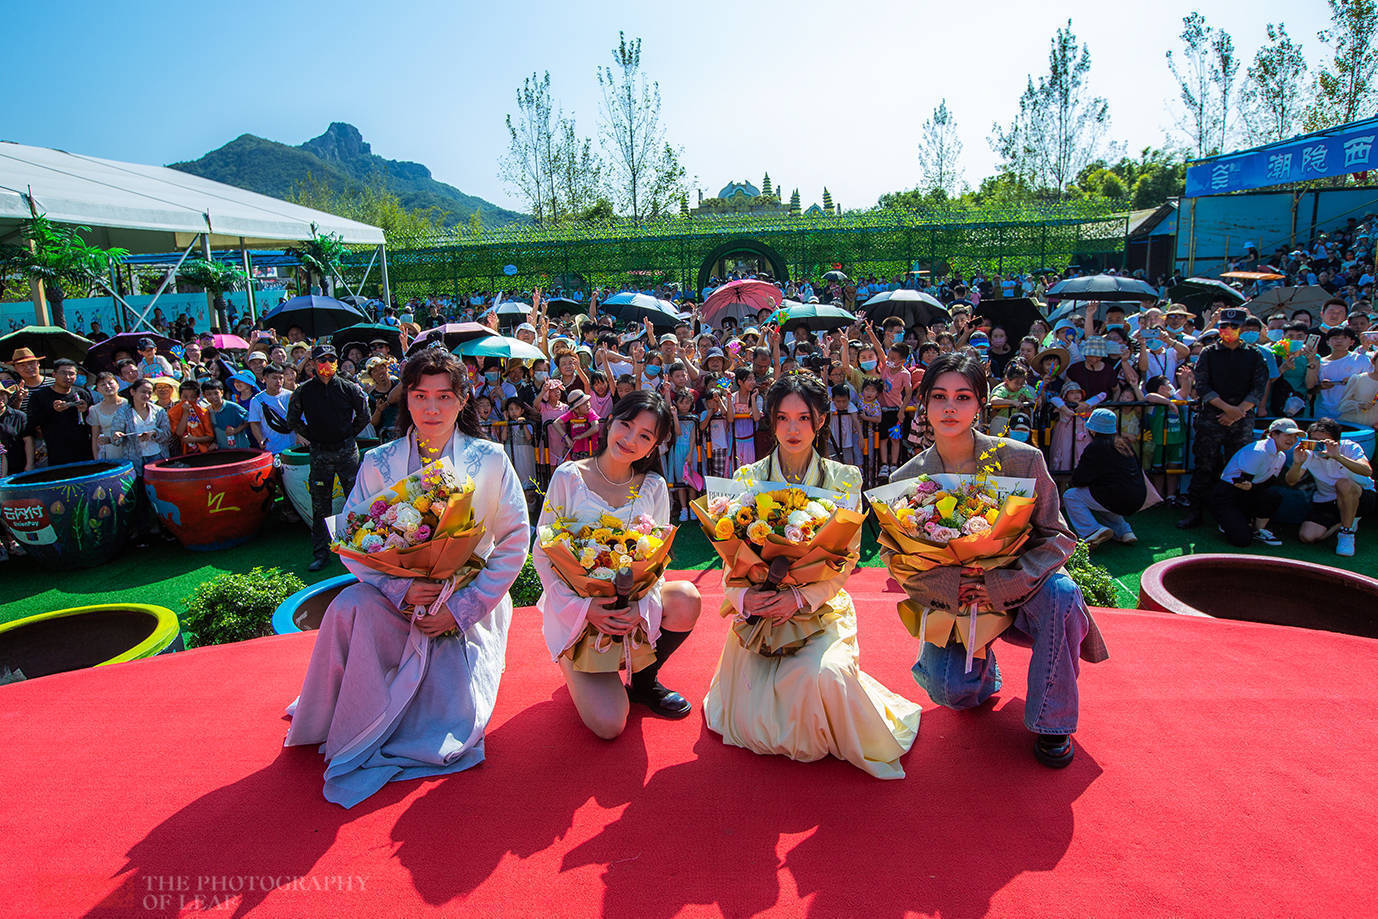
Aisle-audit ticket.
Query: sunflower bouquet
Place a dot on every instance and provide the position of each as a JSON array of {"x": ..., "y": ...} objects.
[
  {"x": 420, "y": 527},
  {"x": 973, "y": 521},
  {"x": 782, "y": 536},
  {"x": 588, "y": 556}
]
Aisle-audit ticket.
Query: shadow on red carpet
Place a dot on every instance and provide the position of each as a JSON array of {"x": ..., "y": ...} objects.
[{"x": 1222, "y": 770}]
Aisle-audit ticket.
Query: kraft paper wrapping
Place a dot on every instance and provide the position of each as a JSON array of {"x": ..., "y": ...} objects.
[
  {"x": 594, "y": 651},
  {"x": 912, "y": 556},
  {"x": 746, "y": 564}
]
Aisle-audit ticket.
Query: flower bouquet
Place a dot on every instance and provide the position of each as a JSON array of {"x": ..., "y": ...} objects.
[
  {"x": 420, "y": 527},
  {"x": 607, "y": 558},
  {"x": 778, "y": 535},
  {"x": 974, "y": 521}
]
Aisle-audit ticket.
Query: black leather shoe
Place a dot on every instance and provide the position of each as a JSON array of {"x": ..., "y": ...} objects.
[
  {"x": 1054, "y": 750},
  {"x": 316, "y": 564},
  {"x": 662, "y": 701},
  {"x": 1190, "y": 521}
]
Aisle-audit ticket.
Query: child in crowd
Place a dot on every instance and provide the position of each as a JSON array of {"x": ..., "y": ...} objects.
[
  {"x": 579, "y": 425},
  {"x": 1010, "y": 394},
  {"x": 1164, "y": 443},
  {"x": 1070, "y": 436},
  {"x": 101, "y": 417},
  {"x": 844, "y": 428},
  {"x": 192, "y": 428},
  {"x": 715, "y": 423},
  {"x": 229, "y": 419},
  {"x": 681, "y": 454},
  {"x": 746, "y": 416},
  {"x": 516, "y": 436}
]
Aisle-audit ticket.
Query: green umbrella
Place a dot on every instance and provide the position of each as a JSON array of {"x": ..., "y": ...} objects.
[
  {"x": 499, "y": 346},
  {"x": 811, "y": 316},
  {"x": 49, "y": 341}
]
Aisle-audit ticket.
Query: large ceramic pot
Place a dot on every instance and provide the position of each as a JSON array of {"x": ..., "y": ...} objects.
[
  {"x": 71, "y": 516},
  {"x": 296, "y": 480},
  {"x": 1259, "y": 588},
  {"x": 212, "y": 500},
  {"x": 86, "y": 636},
  {"x": 302, "y": 611}
]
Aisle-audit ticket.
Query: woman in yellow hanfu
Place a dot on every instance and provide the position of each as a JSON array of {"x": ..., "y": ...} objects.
[{"x": 816, "y": 701}]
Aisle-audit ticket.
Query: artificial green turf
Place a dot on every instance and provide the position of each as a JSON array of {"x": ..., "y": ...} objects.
[{"x": 166, "y": 574}]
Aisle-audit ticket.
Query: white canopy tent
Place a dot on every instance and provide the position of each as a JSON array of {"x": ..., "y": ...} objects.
[{"x": 148, "y": 209}]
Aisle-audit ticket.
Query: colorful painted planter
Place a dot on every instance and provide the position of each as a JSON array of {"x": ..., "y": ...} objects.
[
  {"x": 212, "y": 500},
  {"x": 296, "y": 480},
  {"x": 302, "y": 611},
  {"x": 85, "y": 636},
  {"x": 1259, "y": 588},
  {"x": 71, "y": 516}
]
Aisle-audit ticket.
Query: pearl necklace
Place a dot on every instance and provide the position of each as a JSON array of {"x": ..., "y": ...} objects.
[{"x": 599, "y": 468}]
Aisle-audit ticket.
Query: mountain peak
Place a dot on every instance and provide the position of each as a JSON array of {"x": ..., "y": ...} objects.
[{"x": 340, "y": 143}]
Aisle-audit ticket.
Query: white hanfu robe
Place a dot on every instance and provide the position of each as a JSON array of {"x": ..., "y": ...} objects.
[
  {"x": 563, "y": 612},
  {"x": 385, "y": 702}
]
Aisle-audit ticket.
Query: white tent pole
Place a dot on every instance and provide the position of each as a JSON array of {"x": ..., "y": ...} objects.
[
  {"x": 248, "y": 281},
  {"x": 387, "y": 290},
  {"x": 162, "y": 287}
]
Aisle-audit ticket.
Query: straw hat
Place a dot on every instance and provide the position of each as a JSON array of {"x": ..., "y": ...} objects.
[
  {"x": 1063, "y": 357},
  {"x": 25, "y": 354},
  {"x": 576, "y": 398}
]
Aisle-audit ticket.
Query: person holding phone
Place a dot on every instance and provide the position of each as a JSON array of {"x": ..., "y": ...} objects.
[
  {"x": 1230, "y": 381},
  {"x": 1247, "y": 496},
  {"x": 1344, "y": 486},
  {"x": 1326, "y": 377},
  {"x": 57, "y": 413}
]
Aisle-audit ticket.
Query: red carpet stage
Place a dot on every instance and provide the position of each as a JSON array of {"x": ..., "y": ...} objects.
[{"x": 1223, "y": 769}]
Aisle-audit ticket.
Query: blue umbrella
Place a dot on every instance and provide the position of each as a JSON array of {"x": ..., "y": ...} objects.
[
  {"x": 317, "y": 316},
  {"x": 630, "y": 306}
]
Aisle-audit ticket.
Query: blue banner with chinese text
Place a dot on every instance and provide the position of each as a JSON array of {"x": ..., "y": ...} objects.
[{"x": 1335, "y": 153}]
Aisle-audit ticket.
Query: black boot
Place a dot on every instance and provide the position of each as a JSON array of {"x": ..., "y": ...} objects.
[
  {"x": 646, "y": 690},
  {"x": 1053, "y": 750}
]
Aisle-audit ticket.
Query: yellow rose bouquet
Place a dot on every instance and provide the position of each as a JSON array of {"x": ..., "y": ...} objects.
[
  {"x": 974, "y": 521},
  {"x": 588, "y": 557},
  {"x": 781, "y": 535}
]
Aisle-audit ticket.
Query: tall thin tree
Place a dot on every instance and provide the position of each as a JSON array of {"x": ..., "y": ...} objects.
[
  {"x": 630, "y": 125},
  {"x": 1272, "y": 94},
  {"x": 940, "y": 152},
  {"x": 1344, "y": 89},
  {"x": 1205, "y": 71},
  {"x": 528, "y": 167}
]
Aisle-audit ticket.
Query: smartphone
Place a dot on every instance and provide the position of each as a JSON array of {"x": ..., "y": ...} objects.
[
  {"x": 1309, "y": 445},
  {"x": 1313, "y": 341}
]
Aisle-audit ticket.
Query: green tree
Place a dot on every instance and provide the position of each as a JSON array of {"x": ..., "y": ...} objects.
[
  {"x": 1205, "y": 83},
  {"x": 528, "y": 168},
  {"x": 56, "y": 256},
  {"x": 601, "y": 209},
  {"x": 1344, "y": 85},
  {"x": 216, "y": 279},
  {"x": 1272, "y": 91},
  {"x": 632, "y": 130},
  {"x": 794, "y": 204},
  {"x": 668, "y": 184},
  {"x": 1059, "y": 126},
  {"x": 374, "y": 205},
  {"x": 940, "y": 152},
  {"x": 320, "y": 257}
]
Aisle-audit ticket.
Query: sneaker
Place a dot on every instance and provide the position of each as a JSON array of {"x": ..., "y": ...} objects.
[
  {"x": 1344, "y": 542},
  {"x": 1128, "y": 538},
  {"x": 683, "y": 514},
  {"x": 1266, "y": 537},
  {"x": 1104, "y": 534}
]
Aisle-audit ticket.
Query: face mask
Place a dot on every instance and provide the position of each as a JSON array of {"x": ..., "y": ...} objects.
[
  {"x": 1325, "y": 326},
  {"x": 1115, "y": 325},
  {"x": 1295, "y": 347},
  {"x": 1021, "y": 436},
  {"x": 1276, "y": 334},
  {"x": 325, "y": 371},
  {"x": 1249, "y": 338},
  {"x": 491, "y": 376},
  {"x": 1229, "y": 334},
  {"x": 868, "y": 366},
  {"x": 541, "y": 376},
  {"x": 653, "y": 370}
]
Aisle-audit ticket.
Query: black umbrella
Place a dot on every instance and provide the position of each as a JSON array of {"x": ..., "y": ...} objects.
[
  {"x": 564, "y": 306},
  {"x": 634, "y": 307},
  {"x": 317, "y": 316},
  {"x": 1015, "y": 315},
  {"x": 835, "y": 275},
  {"x": 1199, "y": 293},
  {"x": 1103, "y": 287},
  {"x": 913, "y": 306},
  {"x": 49, "y": 342},
  {"x": 101, "y": 355},
  {"x": 365, "y": 332}
]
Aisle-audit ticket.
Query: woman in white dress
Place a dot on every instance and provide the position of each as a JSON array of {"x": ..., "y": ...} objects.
[
  {"x": 623, "y": 481},
  {"x": 388, "y": 699},
  {"x": 140, "y": 427}
]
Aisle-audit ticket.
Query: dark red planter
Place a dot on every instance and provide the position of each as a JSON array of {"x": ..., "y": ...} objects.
[
  {"x": 212, "y": 500},
  {"x": 1256, "y": 588}
]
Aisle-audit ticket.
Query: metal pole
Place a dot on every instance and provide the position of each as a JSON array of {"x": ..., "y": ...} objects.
[
  {"x": 210, "y": 298},
  {"x": 248, "y": 281},
  {"x": 387, "y": 290},
  {"x": 1191, "y": 242}
]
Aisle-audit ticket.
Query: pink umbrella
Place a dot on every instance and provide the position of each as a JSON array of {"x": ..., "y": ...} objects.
[
  {"x": 229, "y": 343},
  {"x": 452, "y": 334},
  {"x": 741, "y": 300}
]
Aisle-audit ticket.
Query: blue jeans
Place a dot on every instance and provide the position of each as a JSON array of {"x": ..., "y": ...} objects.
[
  {"x": 1053, "y": 622},
  {"x": 1086, "y": 514}
]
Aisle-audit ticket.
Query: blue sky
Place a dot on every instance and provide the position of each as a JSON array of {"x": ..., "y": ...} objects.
[{"x": 817, "y": 93}]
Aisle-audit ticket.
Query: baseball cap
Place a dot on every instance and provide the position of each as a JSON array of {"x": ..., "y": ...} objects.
[
  {"x": 1284, "y": 426},
  {"x": 669, "y": 337},
  {"x": 145, "y": 343},
  {"x": 527, "y": 327},
  {"x": 1233, "y": 316},
  {"x": 321, "y": 352}
]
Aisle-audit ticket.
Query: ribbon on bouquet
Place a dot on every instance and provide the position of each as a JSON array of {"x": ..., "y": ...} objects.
[
  {"x": 447, "y": 588},
  {"x": 971, "y": 613}
]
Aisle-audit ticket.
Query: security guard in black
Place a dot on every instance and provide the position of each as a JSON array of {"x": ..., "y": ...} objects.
[{"x": 328, "y": 412}]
